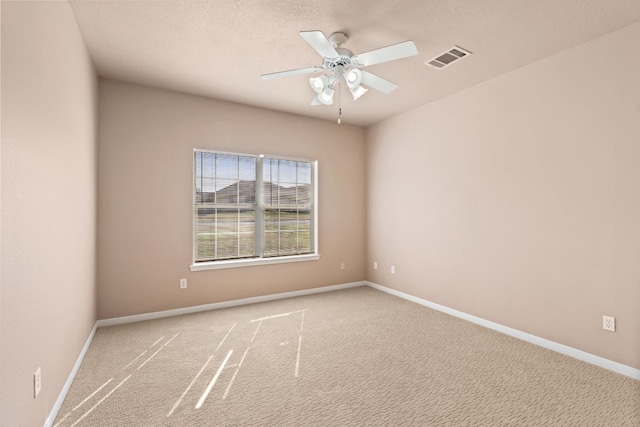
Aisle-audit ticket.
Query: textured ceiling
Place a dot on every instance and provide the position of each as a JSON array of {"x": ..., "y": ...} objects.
[{"x": 220, "y": 48}]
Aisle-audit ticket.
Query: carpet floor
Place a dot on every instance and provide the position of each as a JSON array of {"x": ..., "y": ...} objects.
[{"x": 345, "y": 358}]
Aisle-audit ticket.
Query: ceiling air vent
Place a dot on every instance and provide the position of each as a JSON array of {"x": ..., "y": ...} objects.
[{"x": 449, "y": 57}]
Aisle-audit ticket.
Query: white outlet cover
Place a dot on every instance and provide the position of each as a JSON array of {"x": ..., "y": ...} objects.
[{"x": 609, "y": 323}]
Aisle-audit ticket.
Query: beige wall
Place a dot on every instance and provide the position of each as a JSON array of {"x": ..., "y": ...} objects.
[
  {"x": 49, "y": 93},
  {"x": 517, "y": 200},
  {"x": 146, "y": 142}
]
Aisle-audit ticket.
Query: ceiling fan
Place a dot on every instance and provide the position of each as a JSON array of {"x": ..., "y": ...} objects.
[{"x": 340, "y": 64}]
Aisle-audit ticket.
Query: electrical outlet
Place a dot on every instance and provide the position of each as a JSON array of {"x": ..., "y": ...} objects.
[
  {"x": 609, "y": 323},
  {"x": 342, "y": 265},
  {"x": 37, "y": 383},
  {"x": 375, "y": 265},
  {"x": 393, "y": 269},
  {"x": 183, "y": 283}
]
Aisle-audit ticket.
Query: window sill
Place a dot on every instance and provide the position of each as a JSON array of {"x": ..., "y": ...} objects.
[{"x": 217, "y": 265}]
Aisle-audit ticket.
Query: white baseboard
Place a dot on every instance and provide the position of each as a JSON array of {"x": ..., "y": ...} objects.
[
  {"x": 542, "y": 342},
  {"x": 551, "y": 345},
  {"x": 65, "y": 389},
  {"x": 224, "y": 304}
]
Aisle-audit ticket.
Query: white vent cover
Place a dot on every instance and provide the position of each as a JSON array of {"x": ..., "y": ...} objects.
[{"x": 449, "y": 57}]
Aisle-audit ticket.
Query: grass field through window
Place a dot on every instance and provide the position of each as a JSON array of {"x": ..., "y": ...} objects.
[{"x": 230, "y": 233}]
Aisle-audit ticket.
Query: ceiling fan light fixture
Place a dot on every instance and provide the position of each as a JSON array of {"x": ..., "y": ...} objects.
[
  {"x": 357, "y": 91},
  {"x": 353, "y": 78},
  {"x": 326, "y": 96},
  {"x": 318, "y": 84}
]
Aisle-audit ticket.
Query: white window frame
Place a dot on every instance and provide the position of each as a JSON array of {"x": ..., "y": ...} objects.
[{"x": 259, "y": 227}]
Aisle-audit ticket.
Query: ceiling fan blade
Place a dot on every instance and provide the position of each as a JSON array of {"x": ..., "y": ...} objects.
[
  {"x": 377, "y": 83},
  {"x": 385, "y": 54},
  {"x": 320, "y": 43},
  {"x": 289, "y": 73}
]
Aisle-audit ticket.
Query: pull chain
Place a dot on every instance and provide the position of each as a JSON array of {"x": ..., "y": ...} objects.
[{"x": 339, "y": 104}]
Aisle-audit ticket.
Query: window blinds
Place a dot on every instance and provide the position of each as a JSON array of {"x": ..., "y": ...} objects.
[
  {"x": 287, "y": 207},
  {"x": 225, "y": 205}
]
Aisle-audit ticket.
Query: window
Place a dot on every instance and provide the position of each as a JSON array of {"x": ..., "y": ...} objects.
[{"x": 251, "y": 209}]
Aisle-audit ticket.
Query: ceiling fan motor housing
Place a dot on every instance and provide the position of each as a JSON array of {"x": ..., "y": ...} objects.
[{"x": 343, "y": 59}]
